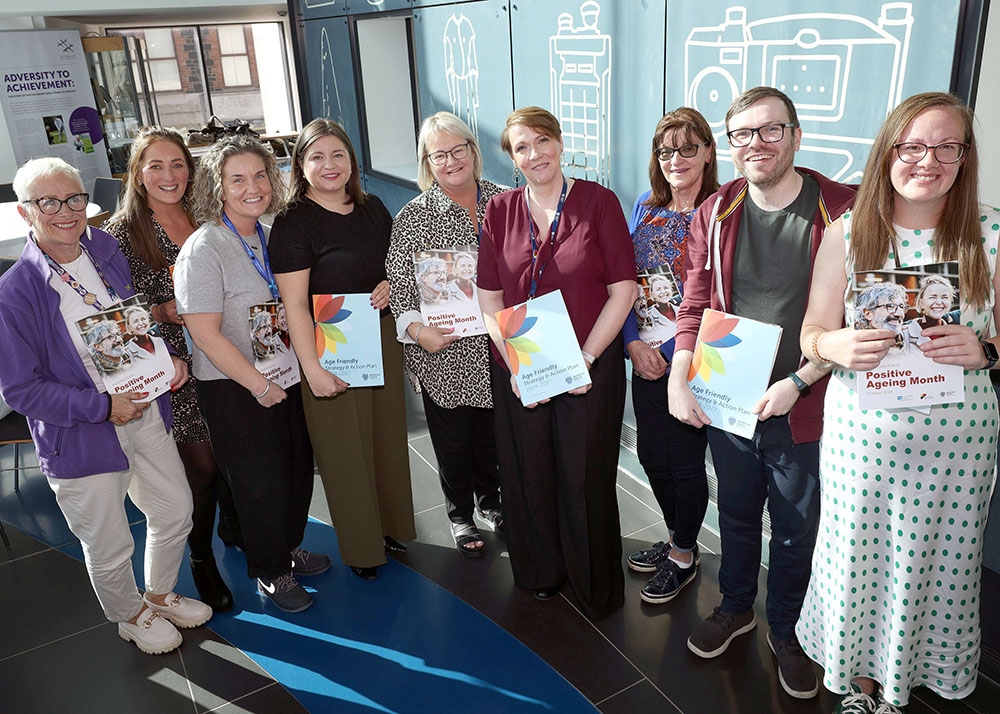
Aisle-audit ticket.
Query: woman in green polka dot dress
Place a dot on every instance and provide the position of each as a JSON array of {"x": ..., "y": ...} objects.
[{"x": 893, "y": 601}]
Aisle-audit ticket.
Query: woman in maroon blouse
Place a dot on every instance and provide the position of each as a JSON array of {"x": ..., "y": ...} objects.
[{"x": 559, "y": 459}]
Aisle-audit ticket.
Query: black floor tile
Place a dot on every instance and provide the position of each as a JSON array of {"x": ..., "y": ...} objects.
[
  {"x": 645, "y": 537},
  {"x": 218, "y": 672},
  {"x": 274, "y": 699},
  {"x": 985, "y": 699},
  {"x": 94, "y": 672},
  {"x": 44, "y": 597},
  {"x": 641, "y": 697},
  {"x": 20, "y": 545}
]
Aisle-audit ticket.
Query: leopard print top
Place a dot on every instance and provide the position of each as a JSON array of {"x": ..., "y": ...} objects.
[{"x": 458, "y": 375}]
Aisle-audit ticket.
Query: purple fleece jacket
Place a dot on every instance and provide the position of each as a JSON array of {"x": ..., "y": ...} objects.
[{"x": 43, "y": 377}]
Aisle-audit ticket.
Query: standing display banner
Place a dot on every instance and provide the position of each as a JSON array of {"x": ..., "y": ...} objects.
[{"x": 48, "y": 102}]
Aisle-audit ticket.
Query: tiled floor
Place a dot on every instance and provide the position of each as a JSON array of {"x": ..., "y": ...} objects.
[{"x": 58, "y": 653}]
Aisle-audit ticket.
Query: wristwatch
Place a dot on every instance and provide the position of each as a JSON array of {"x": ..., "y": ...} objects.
[
  {"x": 799, "y": 384},
  {"x": 990, "y": 350}
]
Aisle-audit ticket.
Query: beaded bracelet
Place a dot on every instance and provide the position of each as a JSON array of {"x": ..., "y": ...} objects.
[
  {"x": 416, "y": 337},
  {"x": 815, "y": 349}
]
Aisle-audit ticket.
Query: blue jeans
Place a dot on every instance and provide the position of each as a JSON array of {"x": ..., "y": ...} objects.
[
  {"x": 673, "y": 456},
  {"x": 770, "y": 467}
]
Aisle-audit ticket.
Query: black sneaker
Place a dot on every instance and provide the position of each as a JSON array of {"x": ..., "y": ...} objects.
[
  {"x": 712, "y": 637},
  {"x": 884, "y": 707},
  {"x": 795, "y": 670},
  {"x": 647, "y": 561},
  {"x": 306, "y": 563},
  {"x": 668, "y": 581},
  {"x": 285, "y": 592},
  {"x": 855, "y": 702}
]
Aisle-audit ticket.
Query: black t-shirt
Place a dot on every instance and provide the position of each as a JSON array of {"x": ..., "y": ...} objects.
[
  {"x": 771, "y": 269},
  {"x": 344, "y": 253}
]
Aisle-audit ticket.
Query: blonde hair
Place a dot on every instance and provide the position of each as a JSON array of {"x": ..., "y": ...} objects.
[
  {"x": 209, "y": 193},
  {"x": 445, "y": 123}
]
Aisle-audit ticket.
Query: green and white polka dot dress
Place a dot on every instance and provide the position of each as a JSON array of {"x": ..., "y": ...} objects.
[{"x": 894, "y": 591}]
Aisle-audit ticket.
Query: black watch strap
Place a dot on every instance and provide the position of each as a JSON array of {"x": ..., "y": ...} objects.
[
  {"x": 990, "y": 352},
  {"x": 799, "y": 384}
]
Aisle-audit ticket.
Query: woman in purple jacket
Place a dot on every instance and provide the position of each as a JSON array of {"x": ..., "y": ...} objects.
[{"x": 92, "y": 446}]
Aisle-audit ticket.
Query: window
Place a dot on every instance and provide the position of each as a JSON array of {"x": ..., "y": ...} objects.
[
  {"x": 389, "y": 95},
  {"x": 233, "y": 52},
  {"x": 162, "y": 60}
]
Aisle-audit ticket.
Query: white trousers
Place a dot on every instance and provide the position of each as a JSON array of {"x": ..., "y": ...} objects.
[{"x": 94, "y": 507}]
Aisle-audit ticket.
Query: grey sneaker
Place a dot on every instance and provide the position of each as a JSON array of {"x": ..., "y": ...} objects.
[
  {"x": 795, "y": 670},
  {"x": 306, "y": 563},
  {"x": 712, "y": 637},
  {"x": 668, "y": 581},
  {"x": 285, "y": 592},
  {"x": 647, "y": 561}
]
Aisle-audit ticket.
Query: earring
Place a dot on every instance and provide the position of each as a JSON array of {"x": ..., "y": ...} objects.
[{"x": 516, "y": 175}]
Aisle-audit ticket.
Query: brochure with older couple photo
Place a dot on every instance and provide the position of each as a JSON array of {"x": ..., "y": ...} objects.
[
  {"x": 125, "y": 346},
  {"x": 542, "y": 350},
  {"x": 446, "y": 282},
  {"x": 271, "y": 344},
  {"x": 348, "y": 338},
  {"x": 656, "y": 308},
  {"x": 731, "y": 367},
  {"x": 907, "y": 301}
]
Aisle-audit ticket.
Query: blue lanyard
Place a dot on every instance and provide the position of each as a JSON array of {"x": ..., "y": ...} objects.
[
  {"x": 536, "y": 247},
  {"x": 479, "y": 223},
  {"x": 265, "y": 269}
]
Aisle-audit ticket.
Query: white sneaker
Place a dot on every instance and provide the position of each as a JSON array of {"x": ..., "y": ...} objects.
[
  {"x": 151, "y": 633},
  {"x": 180, "y": 610}
]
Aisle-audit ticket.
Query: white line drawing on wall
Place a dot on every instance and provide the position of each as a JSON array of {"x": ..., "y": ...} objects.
[
  {"x": 580, "y": 91},
  {"x": 376, "y": 3},
  {"x": 828, "y": 64},
  {"x": 320, "y": 3},
  {"x": 328, "y": 81},
  {"x": 461, "y": 70}
]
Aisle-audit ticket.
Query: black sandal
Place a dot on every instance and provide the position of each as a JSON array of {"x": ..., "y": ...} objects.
[
  {"x": 493, "y": 517},
  {"x": 464, "y": 535}
]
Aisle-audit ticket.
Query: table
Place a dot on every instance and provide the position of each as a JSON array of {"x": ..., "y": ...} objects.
[{"x": 14, "y": 231}]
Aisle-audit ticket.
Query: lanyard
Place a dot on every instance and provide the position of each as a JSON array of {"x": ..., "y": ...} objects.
[
  {"x": 88, "y": 297},
  {"x": 535, "y": 246},
  {"x": 479, "y": 223},
  {"x": 265, "y": 269}
]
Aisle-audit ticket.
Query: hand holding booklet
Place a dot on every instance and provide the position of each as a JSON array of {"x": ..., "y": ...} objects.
[
  {"x": 731, "y": 367},
  {"x": 349, "y": 338},
  {"x": 542, "y": 350}
]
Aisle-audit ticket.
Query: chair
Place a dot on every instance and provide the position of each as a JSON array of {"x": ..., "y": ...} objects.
[
  {"x": 7, "y": 193},
  {"x": 13, "y": 430},
  {"x": 99, "y": 219},
  {"x": 106, "y": 193}
]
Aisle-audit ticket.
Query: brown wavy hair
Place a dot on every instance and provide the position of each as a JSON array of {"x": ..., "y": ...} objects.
[
  {"x": 689, "y": 123},
  {"x": 133, "y": 213},
  {"x": 314, "y": 130},
  {"x": 958, "y": 234},
  {"x": 208, "y": 190}
]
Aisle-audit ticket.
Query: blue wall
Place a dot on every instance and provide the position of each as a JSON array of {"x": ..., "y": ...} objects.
[{"x": 609, "y": 69}]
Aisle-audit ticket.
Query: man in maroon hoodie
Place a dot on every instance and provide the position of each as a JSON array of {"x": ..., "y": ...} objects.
[{"x": 750, "y": 253}]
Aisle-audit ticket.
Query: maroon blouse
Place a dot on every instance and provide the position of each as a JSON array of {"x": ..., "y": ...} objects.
[{"x": 593, "y": 249}]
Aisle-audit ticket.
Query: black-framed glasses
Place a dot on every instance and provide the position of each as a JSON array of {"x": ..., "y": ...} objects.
[
  {"x": 892, "y": 306},
  {"x": 769, "y": 134},
  {"x": 911, "y": 152},
  {"x": 50, "y": 205},
  {"x": 439, "y": 158},
  {"x": 664, "y": 154}
]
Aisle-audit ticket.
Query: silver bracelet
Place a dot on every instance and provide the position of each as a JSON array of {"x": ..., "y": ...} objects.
[
  {"x": 416, "y": 337},
  {"x": 264, "y": 393},
  {"x": 589, "y": 357}
]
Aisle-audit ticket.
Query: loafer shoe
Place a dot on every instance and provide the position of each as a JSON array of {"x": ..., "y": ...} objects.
[
  {"x": 392, "y": 545},
  {"x": 151, "y": 633},
  {"x": 545, "y": 593},
  {"x": 668, "y": 581},
  {"x": 306, "y": 563},
  {"x": 181, "y": 611},
  {"x": 712, "y": 637},
  {"x": 365, "y": 573},
  {"x": 795, "y": 670},
  {"x": 285, "y": 592}
]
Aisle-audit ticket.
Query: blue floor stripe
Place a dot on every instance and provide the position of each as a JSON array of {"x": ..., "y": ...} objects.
[{"x": 398, "y": 644}]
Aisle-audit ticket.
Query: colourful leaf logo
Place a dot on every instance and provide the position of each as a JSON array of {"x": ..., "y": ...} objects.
[
  {"x": 716, "y": 333},
  {"x": 513, "y": 326},
  {"x": 329, "y": 310}
]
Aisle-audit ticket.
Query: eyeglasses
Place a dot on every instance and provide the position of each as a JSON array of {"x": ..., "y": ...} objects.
[
  {"x": 893, "y": 306},
  {"x": 911, "y": 152},
  {"x": 50, "y": 205},
  {"x": 664, "y": 154},
  {"x": 439, "y": 158},
  {"x": 769, "y": 134}
]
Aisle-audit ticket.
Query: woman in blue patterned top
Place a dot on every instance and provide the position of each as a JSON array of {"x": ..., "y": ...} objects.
[{"x": 682, "y": 174}]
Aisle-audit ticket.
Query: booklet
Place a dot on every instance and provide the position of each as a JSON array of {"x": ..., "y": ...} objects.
[
  {"x": 272, "y": 347},
  {"x": 731, "y": 368},
  {"x": 542, "y": 349},
  {"x": 129, "y": 354},
  {"x": 446, "y": 283},
  {"x": 349, "y": 338},
  {"x": 656, "y": 308},
  {"x": 907, "y": 301}
]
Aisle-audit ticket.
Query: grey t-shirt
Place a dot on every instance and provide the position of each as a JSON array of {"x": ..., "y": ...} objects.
[
  {"x": 213, "y": 273},
  {"x": 771, "y": 269}
]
